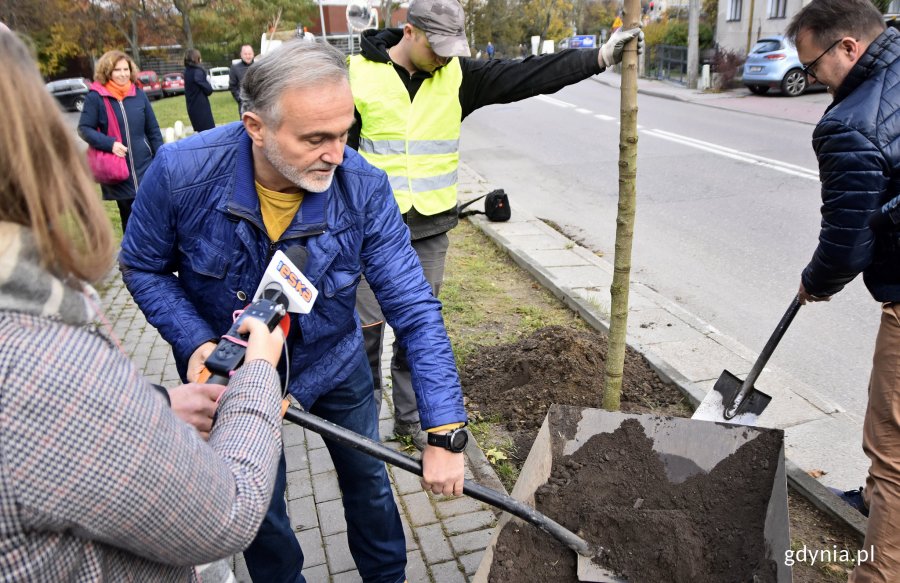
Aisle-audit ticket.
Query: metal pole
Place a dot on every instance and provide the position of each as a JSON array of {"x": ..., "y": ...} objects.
[{"x": 322, "y": 20}]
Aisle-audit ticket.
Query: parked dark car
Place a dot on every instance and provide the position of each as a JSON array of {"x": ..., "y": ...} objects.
[
  {"x": 172, "y": 84},
  {"x": 149, "y": 82},
  {"x": 70, "y": 93}
]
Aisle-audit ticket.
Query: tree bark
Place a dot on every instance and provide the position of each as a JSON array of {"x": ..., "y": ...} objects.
[
  {"x": 184, "y": 7},
  {"x": 134, "y": 41},
  {"x": 618, "y": 325},
  {"x": 693, "y": 53}
]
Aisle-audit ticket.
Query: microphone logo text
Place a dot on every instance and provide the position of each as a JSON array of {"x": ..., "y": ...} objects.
[{"x": 295, "y": 281}]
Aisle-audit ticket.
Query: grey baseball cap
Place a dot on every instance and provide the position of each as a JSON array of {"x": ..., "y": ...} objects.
[{"x": 444, "y": 23}]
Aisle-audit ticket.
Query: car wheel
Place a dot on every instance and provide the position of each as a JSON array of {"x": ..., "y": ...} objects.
[
  {"x": 78, "y": 104},
  {"x": 758, "y": 89},
  {"x": 794, "y": 83}
]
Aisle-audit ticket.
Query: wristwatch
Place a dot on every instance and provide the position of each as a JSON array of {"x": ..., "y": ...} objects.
[{"x": 454, "y": 441}]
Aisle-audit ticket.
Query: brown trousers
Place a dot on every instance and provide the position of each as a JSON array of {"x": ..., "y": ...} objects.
[{"x": 881, "y": 442}]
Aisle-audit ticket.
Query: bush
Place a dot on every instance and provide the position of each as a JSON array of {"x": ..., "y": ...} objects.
[
  {"x": 677, "y": 34},
  {"x": 655, "y": 33},
  {"x": 727, "y": 64}
]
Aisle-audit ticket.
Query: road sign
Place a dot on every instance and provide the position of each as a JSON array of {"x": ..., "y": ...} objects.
[{"x": 584, "y": 41}]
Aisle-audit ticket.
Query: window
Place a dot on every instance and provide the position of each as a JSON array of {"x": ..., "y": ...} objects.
[
  {"x": 777, "y": 8},
  {"x": 735, "y": 7},
  {"x": 766, "y": 45}
]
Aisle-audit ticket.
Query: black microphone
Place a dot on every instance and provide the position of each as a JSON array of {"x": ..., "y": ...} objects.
[{"x": 299, "y": 256}]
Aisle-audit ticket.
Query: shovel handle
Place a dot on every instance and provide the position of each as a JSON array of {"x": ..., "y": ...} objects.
[
  {"x": 764, "y": 356},
  {"x": 347, "y": 438}
]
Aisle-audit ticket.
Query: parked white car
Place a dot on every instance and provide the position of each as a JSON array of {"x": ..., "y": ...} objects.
[{"x": 218, "y": 78}]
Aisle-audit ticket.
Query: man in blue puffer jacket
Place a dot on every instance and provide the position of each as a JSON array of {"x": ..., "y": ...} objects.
[
  {"x": 211, "y": 212},
  {"x": 857, "y": 142}
]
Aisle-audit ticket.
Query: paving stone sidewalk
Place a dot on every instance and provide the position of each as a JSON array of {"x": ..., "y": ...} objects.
[{"x": 445, "y": 536}]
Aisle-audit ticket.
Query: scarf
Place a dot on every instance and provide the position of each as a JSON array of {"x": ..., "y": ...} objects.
[
  {"x": 118, "y": 92},
  {"x": 27, "y": 287}
]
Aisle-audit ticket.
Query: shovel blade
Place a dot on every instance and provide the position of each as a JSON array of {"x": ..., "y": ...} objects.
[
  {"x": 588, "y": 570},
  {"x": 713, "y": 406}
]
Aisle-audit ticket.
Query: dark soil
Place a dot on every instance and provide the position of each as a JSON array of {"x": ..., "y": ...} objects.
[
  {"x": 677, "y": 532},
  {"x": 516, "y": 383},
  {"x": 615, "y": 492}
]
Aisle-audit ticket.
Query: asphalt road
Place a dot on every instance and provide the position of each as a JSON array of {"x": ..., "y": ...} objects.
[{"x": 727, "y": 216}]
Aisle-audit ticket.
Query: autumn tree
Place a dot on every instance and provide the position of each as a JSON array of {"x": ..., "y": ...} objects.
[
  {"x": 546, "y": 19},
  {"x": 499, "y": 21},
  {"x": 597, "y": 15}
]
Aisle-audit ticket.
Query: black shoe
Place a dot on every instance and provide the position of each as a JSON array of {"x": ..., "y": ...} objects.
[
  {"x": 413, "y": 430},
  {"x": 854, "y": 498}
]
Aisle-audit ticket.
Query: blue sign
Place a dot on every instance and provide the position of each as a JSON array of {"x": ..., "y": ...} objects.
[{"x": 584, "y": 41}]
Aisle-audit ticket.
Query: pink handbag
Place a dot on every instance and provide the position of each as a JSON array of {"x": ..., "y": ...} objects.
[{"x": 106, "y": 167}]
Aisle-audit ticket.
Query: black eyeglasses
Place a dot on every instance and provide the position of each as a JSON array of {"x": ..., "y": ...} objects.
[{"x": 808, "y": 69}]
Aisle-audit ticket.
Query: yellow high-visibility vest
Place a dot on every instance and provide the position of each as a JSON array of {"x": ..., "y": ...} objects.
[{"x": 416, "y": 144}]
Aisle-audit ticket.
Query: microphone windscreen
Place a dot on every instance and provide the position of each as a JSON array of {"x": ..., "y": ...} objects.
[{"x": 298, "y": 255}]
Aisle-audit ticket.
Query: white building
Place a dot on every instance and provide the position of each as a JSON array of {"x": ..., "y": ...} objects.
[{"x": 742, "y": 22}]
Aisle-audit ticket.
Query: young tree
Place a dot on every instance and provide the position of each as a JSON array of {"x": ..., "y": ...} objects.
[{"x": 618, "y": 321}]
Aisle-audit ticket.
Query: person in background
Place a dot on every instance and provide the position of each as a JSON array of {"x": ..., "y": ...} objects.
[
  {"x": 419, "y": 101},
  {"x": 100, "y": 479},
  {"x": 114, "y": 81},
  {"x": 490, "y": 50},
  {"x": 236, "y": 75},
  {"x": 196, "y": 92},
  {"x": 844, "y": 45},
  {"x": 211, "y": 214}
]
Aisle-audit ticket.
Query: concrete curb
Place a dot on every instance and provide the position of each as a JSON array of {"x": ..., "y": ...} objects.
[
  {"x": 482, "y": 469},
  {"x": 823, "y": 499},
  {"x": 798, "y": 479},
  {"x": 675, "y": 94}
]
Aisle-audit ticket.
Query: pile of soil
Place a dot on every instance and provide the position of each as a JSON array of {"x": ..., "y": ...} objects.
[
  {"x": 615, "y": 493},
  {"x": 516, "y": 383},
  {"x": 614, "y": 490}
]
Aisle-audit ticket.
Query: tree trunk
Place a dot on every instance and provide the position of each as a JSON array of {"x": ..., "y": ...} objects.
[
  {"x": 184, "y": 7},
  {"x": 618, "y": 324},
  {"x": 134, "y": 41},
  {"x": 693, "y": 52}
]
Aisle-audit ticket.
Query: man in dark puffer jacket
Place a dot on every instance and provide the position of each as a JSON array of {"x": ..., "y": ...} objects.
[{"x": 857, "y": 142}]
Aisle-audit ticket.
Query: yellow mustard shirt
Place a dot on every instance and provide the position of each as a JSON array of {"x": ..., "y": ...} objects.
[{"x": 278, "y": 209}]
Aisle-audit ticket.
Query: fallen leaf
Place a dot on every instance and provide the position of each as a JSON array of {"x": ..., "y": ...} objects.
[{"x": 816, "y": 473}]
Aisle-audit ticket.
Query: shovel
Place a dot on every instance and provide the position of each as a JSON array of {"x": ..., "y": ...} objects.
[
  {"x": 739, "y": 402},
  {"x": 588, "y": 570}
]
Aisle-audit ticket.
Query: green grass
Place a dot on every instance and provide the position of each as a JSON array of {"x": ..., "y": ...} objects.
[
  {"x": 171, "y": 109},
  {"x": 484, "y": 433},
  {"x": 112, "y": 212},
  {"x": 487, "y": 299}
]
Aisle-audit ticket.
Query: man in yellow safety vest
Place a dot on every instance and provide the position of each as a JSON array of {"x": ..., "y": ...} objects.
[{"x": 412, "y": 88}]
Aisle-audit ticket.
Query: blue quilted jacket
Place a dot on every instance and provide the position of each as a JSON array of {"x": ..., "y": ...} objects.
[
  {"x": 196, "y": 249},
  {"x": 857, "y": 143}
]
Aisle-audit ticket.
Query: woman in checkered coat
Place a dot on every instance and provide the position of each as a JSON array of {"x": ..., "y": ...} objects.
[{"x": 99, "y": 479}]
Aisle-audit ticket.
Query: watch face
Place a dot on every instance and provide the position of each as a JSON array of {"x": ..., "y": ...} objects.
[{"x": 458, "y": 440}]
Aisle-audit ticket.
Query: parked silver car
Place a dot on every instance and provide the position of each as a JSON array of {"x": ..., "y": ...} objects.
[{"x": 773, "y": 63}]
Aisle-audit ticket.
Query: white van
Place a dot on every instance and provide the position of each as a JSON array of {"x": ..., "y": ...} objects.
[{"x": 218, "y": 78}]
